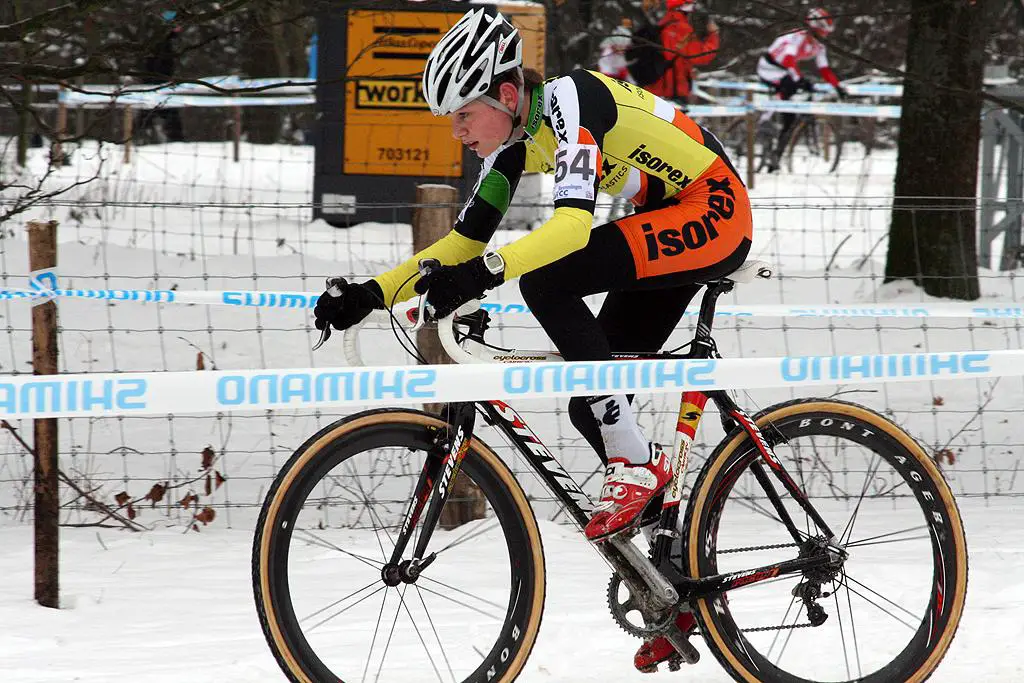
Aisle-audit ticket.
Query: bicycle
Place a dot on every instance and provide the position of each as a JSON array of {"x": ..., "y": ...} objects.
[
  {"x": 336, "y": 585},
  {"x": 812, "y": 140}
]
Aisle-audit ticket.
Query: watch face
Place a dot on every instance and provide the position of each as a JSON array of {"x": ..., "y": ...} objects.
[{"x": 494, "y": 263}]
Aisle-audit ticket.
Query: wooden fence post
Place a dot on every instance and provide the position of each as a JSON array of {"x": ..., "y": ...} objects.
[
  {"x": 42, "y": 245},
  {"x": 126, "y": 129},
  {"x": 433, "y": 216}
]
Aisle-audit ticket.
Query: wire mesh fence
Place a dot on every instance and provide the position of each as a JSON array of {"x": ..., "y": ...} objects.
[{"x": 194, "y": 468}]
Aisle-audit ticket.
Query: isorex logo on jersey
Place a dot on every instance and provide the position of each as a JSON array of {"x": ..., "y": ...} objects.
[{"x": 658, "y": 165}]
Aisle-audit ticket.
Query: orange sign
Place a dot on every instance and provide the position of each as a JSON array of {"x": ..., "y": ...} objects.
[{"x": 389, "y": 129}]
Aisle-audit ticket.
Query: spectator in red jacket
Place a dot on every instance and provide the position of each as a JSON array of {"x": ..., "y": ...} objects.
[{"x": 690, "y": 39}]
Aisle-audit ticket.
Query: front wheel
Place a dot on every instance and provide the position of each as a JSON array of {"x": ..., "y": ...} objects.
[
  {"x": 888, "y": 613},
  {"x": 327, "y": 528}
]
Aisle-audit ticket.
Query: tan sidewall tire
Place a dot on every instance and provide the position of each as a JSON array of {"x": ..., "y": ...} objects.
[
  {"x": 722, "y": 457},
  {"x": 309, "y": 453}
]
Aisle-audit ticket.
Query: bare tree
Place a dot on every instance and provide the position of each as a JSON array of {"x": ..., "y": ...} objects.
[{"x": 932, "y": 234}]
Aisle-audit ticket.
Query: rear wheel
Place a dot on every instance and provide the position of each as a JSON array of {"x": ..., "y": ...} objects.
[
  {"x": 327, "y": 529},
  {"x": 889, "y": 612},
  {"x": 815, "y": 144}
]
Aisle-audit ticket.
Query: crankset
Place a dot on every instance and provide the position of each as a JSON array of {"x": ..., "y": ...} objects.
[{"x": 631, "y": 609}]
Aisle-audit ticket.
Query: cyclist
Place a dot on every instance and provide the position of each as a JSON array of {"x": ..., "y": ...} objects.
[
  {"x": 594, "y": 133},
  {"x": 778, "y": 67}
]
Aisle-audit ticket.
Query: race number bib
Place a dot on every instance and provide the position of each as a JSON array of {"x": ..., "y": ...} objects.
[{"x": 576, "y": 172}]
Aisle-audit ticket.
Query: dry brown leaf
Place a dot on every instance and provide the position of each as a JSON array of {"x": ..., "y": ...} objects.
[
  {"x": 132, "y": 514},
  {"x": 938, "y": 401},
  {"x": 208, "y": 456},
  {"x": 206, "y": 515},
  {"x": 156, "y": 494},
  {"x": 219, "y": 479},
  {"x": 187, "y": 501},
  {"x": 122, "y": 498},
  {"x": 945, "y": 454},
  {"x": 209, "y": 484},
  {"x": 200, "y": 363}
]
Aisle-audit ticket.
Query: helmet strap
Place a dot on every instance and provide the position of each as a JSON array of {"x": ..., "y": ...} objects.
[{"x": 517, "y": 124}]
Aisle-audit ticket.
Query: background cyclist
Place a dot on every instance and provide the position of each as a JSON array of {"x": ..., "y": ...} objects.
[
  {"x": 594, "y": 133},
  {"x": 779, "y": 68}
]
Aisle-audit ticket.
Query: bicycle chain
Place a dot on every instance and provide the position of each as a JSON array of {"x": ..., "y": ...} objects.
[
  {"x": 775, "y": 628},
  {"x": 750, "y": 548}
]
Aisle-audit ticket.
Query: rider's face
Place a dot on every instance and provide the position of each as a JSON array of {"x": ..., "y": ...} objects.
[{"x": 480, "y": 127}]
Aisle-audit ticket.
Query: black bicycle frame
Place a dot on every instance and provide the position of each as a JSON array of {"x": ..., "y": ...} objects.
[{"x": 440, "y": 469}]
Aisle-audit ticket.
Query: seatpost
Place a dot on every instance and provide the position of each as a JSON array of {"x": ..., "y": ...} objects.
[{"x": 703, "y": 345}]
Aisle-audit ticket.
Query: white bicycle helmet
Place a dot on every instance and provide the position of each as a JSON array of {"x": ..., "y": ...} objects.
[
  {"x": 821, "y": 21},
  {"x": 479, "y": 47}
]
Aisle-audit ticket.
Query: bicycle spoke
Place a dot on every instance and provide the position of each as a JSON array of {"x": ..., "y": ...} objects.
[
  {"x": 373, "y": 641},
  {"x": 779, "y": 632},
  {"x": 870, "y": 602},
  {"x": 420, "y": 636},
  {"x": 401, "y": 600},
  {"x": 848, "y": 530},
  {"x": 433, "y": 627},
  {"x": 342, "y": 611},
  {"x": 448, "y": 597},
  {"x": 468, "y": 536},
  {"x": 376, "y": 564},
  {"x": 873, "y": 540},
  {"x": 842, "y": 633},
  {"x": 853, "y": 630},
  {"x": 789, "y": 633},
  {"x": 339, "y": 601}
]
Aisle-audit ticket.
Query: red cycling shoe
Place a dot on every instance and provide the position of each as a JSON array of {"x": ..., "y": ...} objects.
[
  {"x": 627, "y": 490},
  {"x": 654, "y": 652}
]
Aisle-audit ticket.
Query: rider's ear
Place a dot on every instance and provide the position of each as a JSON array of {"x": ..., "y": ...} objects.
[{"x": 509, "y": 94}]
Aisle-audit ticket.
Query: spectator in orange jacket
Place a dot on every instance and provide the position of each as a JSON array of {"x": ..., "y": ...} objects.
[{"x": 690, "y": 39}]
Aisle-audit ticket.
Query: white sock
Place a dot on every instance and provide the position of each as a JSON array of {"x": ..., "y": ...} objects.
[{"x": 619, "y": 431}]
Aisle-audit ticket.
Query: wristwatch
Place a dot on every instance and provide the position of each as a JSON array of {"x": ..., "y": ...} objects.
[{"x": 494, "y": 263}]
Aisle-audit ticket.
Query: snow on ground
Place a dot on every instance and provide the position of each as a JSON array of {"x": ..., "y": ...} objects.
[{"x": 164, "y": 605}]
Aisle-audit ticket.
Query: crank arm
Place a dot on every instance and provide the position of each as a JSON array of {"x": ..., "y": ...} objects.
[{"x": 639, "y": 572}]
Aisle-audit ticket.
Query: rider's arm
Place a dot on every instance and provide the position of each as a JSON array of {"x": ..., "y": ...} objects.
[
  {"x": 477, "y": 221},
  {"x": 582, "y": 110},
  {"x": 821, "y": 59}
]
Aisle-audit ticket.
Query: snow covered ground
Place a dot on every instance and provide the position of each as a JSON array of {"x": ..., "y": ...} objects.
[
  {"x": 166, "y": 604},
  {"x": 164, "y": 607}
]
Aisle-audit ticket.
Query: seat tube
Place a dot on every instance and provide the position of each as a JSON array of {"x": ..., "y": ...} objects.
[{"x": 691, "y": 408}]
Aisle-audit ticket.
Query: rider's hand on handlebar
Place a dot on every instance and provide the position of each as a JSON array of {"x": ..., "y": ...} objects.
[
  {"x": 804, "y": 84},
  {"x": 345, "y": 304},
  {"x": 448, "y": 287},
  {"x": 841, "y": 92}
]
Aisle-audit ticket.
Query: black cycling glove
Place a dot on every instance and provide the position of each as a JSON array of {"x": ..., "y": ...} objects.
[
  {"x": 448, "y": 287},
  {"x": 344, "y": 310}
]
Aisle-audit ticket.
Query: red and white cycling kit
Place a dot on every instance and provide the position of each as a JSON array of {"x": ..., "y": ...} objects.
[{"x": 787, "y": 51}]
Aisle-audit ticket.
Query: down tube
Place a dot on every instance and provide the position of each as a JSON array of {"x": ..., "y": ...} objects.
[{"x": 565, "y": 488}]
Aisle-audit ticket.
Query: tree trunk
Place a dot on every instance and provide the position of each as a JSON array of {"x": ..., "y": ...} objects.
[{"x": 932, "y": 237}]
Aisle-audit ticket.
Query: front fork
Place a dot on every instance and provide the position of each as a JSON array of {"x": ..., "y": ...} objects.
[{"x": 439, "y": 472}]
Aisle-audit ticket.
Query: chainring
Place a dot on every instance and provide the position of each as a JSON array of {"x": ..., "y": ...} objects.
[{"x": 621, "y": 609}]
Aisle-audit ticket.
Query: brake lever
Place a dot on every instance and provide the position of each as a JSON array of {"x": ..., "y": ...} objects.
[
  {"x": 334, "y": 288},
  {"x": 424, "y": 311}
]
